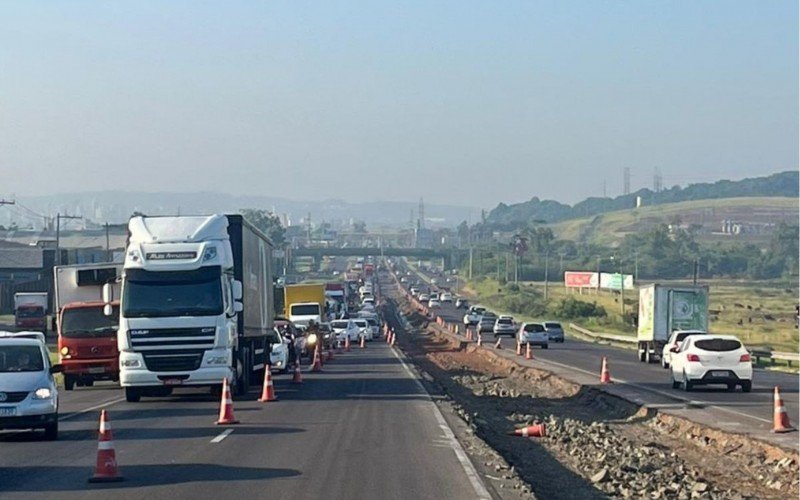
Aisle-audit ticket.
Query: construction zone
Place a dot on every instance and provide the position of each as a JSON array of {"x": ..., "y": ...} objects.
[{"x": 560, "y": 439}]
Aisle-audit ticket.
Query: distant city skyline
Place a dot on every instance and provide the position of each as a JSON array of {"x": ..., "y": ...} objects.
[{"x": 463, "y": 103}]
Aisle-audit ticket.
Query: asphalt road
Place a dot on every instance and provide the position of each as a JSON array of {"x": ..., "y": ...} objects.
[
  {"x": 649, "y": 384},
  {"x": 363, "y": 428}
]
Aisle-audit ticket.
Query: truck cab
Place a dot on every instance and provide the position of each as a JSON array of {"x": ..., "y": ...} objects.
[
  {"x": 30, "y": 310},
  {"x": 87, "y": 343}
]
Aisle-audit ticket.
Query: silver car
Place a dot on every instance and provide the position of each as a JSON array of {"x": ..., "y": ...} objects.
[
  {"x": 533, "y": 334},
  {"x": 554, "y": 330},
  {"x": 505, "y": 326}
]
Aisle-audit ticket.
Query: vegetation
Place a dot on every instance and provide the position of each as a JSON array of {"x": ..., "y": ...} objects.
[{"x": 268, "y": 223}]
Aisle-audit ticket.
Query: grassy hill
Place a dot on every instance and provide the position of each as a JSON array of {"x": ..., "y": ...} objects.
[{"x": 755, "y": 213}]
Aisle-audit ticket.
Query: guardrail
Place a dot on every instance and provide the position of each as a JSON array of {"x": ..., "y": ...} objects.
[{"x": 603, "y": 336}]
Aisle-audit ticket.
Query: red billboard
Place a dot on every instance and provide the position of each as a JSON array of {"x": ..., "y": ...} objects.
[{"x": 580, "y": 279}]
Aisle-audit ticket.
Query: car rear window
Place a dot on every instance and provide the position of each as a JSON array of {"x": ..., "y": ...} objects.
[
  {"x": 534, "y": 327},
  {"x": 339, "y": 324},
  {"x": 553, "y": 325},
  {"x": 504, "y": 321},
  {"x": 718, "y": 345}
]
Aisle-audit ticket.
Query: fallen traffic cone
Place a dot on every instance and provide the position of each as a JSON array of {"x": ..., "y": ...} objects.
[
  {"x": 780, "y": 420},
  {"x": 363, "y": 342},
  {"x": 316, "y": 366},
  {"x": 536, "y": 430},
  {"x": 226, "y": 406},
  {"x": 528, "y": 353},
  {"x": 499, "y": 343},
  {"x": 605, "y": 376},
  {"x": 268, "y": 392},
  {"x": 106, "y": 469},
  {"x": 519, "y": 348},
  {"x": 347, "y": 343},
  {"x": 297, "y": 378}
]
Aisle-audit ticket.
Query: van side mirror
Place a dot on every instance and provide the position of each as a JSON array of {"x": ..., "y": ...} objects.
[
  {"x": 237, "y": 290},
  {"x": 108, "y": 293}
]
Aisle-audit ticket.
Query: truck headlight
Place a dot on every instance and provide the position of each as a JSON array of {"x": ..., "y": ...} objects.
[
  {"x": 279, "y": 364},
  {"x": 209, "y": 253},
  {"x": 217, "y": 360},
  {"x": 42, "y": 393},
  {"x": 130, "y": 363}
]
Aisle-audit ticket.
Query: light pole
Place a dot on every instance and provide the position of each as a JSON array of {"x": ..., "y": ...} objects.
[
  {"x": 598, "y": 275},
  {"x": 546, "y": 255},
  {"x": 58, "y": 234},
  {"x": 621, "y": 288}
]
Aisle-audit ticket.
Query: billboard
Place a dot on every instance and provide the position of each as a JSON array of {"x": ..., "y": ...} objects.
[
  {"x": 613, "y": 281},
  {"x": 580, "y": 279}
]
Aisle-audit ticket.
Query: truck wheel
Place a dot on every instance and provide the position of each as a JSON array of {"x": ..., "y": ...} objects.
[
  {"x": 69, "y": 382},
  {"x": 132, "y": 395},
  {"x": 641, "y": 355},
  {"x": 51, "y": 431},
  {"x": 648, "y": 358}
]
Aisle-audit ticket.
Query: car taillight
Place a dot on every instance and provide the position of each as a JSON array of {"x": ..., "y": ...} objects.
[
  {"x": 745, "y": 358},
  {"x": 693, "y": 357}
]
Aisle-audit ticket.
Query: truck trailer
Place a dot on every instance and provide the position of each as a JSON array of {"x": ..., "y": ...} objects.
[
  {"x": 196, "y": 304},
  {"x": 664, "y": 309}
]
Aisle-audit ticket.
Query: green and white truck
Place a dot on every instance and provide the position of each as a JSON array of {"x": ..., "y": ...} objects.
[{"x": 664, "y": 309}]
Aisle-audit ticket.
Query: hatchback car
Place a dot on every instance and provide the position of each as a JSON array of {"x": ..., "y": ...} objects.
[
  {"x": 675, "y": 340},
  {"x": 505, "y": 326},
  {"x": 533, "y": 334},
  {"x": 554, "y": 331},
  {"x": 486, "y": 322},
  {"x": 711, "y": 359},
  {"x": 28, "y": 392},
  {"x": 433, "y": 303},
  {"x": 279, "y": 352},
  {"x": 345, "y": 328},
  {"x": 424, "y": 297},
  {"x": 446, "y": 298},
  {"x": 364, "y": 330}
]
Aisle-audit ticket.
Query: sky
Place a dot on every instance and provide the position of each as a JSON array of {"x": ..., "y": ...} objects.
[{"x": 463, "y": 102}]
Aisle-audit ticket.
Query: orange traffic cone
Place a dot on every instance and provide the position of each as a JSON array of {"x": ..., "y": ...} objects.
[
  {"x": 106, "y": 469},
  {"x": 347, "y": 343},
  {"x": 480, "y": 340},
  {"x": 519, "y": 348},
  {"x": 268, "y": 392},
  {"x": 499, "y": 343},
  {"x": 316, "y": 366},
  {"x": 363, "y": 342},
  {"x": 469, "y": 334},
  {"x": 780, "y": 420},
  {"x": 528, "y": 353},
  {"x": 605, "y": 376},
  {"x": 226, "y": 406},
  {"x": 394, "y": 337},
  {"x": 536, "y": 430},
  {"x": 297, "y": 378}
]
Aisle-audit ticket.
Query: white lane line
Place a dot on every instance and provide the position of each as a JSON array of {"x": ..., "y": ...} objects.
[
  {"x": 469, "y": 469},
  {"x": 91, "y": 408},
  {"x": 223, "y": 435}
]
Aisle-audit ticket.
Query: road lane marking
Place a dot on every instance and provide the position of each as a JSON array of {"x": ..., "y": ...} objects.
[
  {"x": 222, "y": 435},
  {"x": 91, "y": 408},
  {"x": 469, "y": 469}
]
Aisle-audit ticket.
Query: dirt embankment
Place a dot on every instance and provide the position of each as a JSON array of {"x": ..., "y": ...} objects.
[{"x": 596, "y": 445}]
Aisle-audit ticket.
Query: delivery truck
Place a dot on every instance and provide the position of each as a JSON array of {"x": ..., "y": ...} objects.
[
  {"x": 87, "y": 338},
  {"x": 196, "y": 304},
  {"x": 304, "y": 303},
  {"x": 664, "y": 309},
  {"x": 30, "y": 311}
]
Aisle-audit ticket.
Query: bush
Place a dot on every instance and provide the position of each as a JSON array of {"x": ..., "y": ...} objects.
[{"x": 573, "y": 308}]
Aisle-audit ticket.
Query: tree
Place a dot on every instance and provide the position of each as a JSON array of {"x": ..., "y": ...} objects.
[{"x": 268, "y": 223}]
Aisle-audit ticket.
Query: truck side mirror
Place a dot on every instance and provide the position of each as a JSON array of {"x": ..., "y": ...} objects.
[
  {"x": 108, "y": 310},
  {"x": 237, "y": 290},
  {"x": 238, "y": 307},
  {"x": 108, "y": 293}
]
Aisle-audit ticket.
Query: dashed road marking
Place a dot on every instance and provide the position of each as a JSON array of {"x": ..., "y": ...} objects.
[
  {"x": 91, "y": 408},
  {"x": 223, "y": 435}
]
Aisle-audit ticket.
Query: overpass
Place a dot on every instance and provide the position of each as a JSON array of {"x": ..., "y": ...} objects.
[{"x": 449, "y": 256}]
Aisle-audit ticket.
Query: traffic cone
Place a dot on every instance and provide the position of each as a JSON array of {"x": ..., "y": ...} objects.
[
  {"x": 536, "y": 430},
  {"x": 780, "y": 420},
  {"x": 347, "y": 343},
  {"x": 297, "y": 378},
  {"x": 363, "y": 342},
  {"x": 605, "y": 376},
  {"x": 316, "y": 365},
  {"x": 499, "y": 343},
  {"x": 480, "y": 340},
  {"x": 469, "y": 334},
  {"x": 226, "y": 406},
  {"x": 528, "y": 353},
  {"x": 519, "y": 348},
  {"x": 268, "y": 392},
  {"x": 106, "y": 469},
  {"x": 394, "y": 337}
]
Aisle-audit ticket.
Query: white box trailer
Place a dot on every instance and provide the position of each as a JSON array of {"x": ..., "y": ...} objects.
[
  {"x": 664, "y": 309},
  {"x": 84, "y": 282}
]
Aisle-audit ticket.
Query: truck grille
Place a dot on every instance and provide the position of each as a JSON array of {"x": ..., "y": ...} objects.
[
  {"x": 144, "y": 340},
  {"x": 173, "y": 361}
]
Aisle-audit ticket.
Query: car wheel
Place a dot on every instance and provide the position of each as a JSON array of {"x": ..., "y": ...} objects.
[
  {"x": 747, "y": 385},
  {"x": 664, "y": 364},
  {"x": 51, "y": 431},
  {"x": 132, "y": 395},
  {"x": 69, "y": 382},
  {"x": 641, "y": 355},
  {"x": 687, "y": 384},
  {"x": 731, "y": 387}
]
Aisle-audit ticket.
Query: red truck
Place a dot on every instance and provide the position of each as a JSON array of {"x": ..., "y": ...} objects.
[
  {"x": 87, "y": 338},
  {"x": 30, "y": 310}
]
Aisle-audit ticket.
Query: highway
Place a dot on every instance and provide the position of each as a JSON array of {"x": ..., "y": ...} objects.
[
  {"x": 649, "y": 384},
  {"x": 363, "y": 428}
]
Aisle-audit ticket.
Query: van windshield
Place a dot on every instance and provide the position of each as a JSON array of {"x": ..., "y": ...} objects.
[
  {"x": 86, "y": 322},
  {"x": 21, "y": 358},
  {"x": 305, "y": 310}
]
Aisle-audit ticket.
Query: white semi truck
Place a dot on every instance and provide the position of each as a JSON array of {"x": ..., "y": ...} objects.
[{"x": 197, "y": 304}]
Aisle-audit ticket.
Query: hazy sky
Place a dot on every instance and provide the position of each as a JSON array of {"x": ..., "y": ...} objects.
[{"x": 460, "y": 102}]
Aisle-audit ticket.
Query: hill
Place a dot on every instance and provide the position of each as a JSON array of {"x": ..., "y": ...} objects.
[{"x": 509, "y": 217}]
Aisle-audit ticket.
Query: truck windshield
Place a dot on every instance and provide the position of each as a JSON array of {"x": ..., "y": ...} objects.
[
  {"x": 172, "y": 293},
  {"x": 30, "y": 312},
  {"x": 305, "y": 310},
  {"x": 86, "y": 322}
]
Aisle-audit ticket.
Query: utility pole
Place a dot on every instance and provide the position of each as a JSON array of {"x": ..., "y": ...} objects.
[
  {"x": 636, "y": 266},
  {"x": 497, "y": 258},
  {"x": 516, "y": 268},
  {"x": 696, "y": 269},
  {"x": 108, "y": 245},
  {"x": 58, "y": 234},
  {"x": 470, "y": 262},
  {"x": 546, "y": 255},
  {"x": 598, "y": 275}
]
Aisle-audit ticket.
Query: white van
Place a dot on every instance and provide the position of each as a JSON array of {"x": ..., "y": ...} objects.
[{"x": 28, "y": 393}]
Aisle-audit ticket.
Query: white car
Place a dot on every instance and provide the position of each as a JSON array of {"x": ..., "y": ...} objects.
[
  {"x": 433, "y": 303},
  {"x": 279, "y": 353},
  {"x": 474, "y": 315},
  {"x": 363, "y": 329},
  {"x": 344, "y": 328},
  {"x": 504, "y": 325},
  {"x": 675, "y": 341},
  {"x": 369, "y": 301},
  {"x": 413, "y": 291},
  {"x": 28, "y": 392},
  {"x": 533, "y": 334},
  {"x": 424, "y": 297},
  {"x": 711, "y": 359},
  {"x": 446, "y": 298}
]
